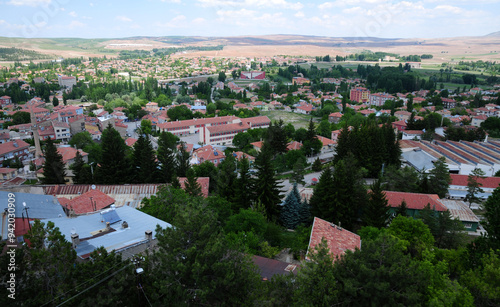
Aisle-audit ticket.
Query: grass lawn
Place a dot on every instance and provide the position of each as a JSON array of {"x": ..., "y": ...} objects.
[{"x": 297, "y": 120}]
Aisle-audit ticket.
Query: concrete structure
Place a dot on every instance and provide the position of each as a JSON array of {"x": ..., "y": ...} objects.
[
  {"x": 360, "y": 94},
  {"x": 378, "y": 99},
  {"x": 65, "y": 81},
  {"x": 14, "y": 149},
  {"x": 223, "y": 134},
  {"x": 253, "y": 75},
  {"x": 125, "y": 230}
]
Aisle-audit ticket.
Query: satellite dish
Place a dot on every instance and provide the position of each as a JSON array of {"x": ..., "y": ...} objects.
[
  {"x": 93, "y": 187},
  {"x": 73, "y": 230}
]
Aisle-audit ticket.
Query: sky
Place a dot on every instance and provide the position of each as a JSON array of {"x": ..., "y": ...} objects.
[{"x": 339, "y": 18}]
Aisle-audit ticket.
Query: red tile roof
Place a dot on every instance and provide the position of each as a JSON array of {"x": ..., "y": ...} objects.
[
  {"x": 69, "y": 153},
  {"x": 130, "y": 142},
  {"x": 82, "y": 204},
  {"x": 10, "y": 147},
  {"x": 488, "y": 182},
  {"x": 338, "y": 239},
  {"x": 416, "y": 201},
  {"x": 293, "y": 145},
  {"x": 7, "y": 170},
  {"x": 203, "y": 181},
  {"x": 236, "y": 128}
]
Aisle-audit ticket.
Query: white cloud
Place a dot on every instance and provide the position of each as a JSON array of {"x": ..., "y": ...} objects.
[
  {"x": 72, "y": 14},
  {"x": 29, "y": 2},
  {"x": 283, "y": 4},
  {"x": 299, "y": 14},
  {"x": 198, "y": 21},
  {"x": 176, "y": 22},
  {"x": 91, "y": 4},
  {"x": 245, "y": 17},
  {"x": 123, "y": 18},
  {"x": 449, "y": 9},
  {"x": 76, "y": 24},
  {"x": 171, "y": 1}
]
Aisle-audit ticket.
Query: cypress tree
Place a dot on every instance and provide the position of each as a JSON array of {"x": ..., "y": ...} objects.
[
  {"x": 81, "y": 170},
  {"x": 182, "y": 163},
  {"x": 244, "y": 186},
  {"x": 226, "y": 179},
  {"x": 53, "y": 167},
  {"x": 144, "y": 161},
  {"x": 402, "y": 209}
]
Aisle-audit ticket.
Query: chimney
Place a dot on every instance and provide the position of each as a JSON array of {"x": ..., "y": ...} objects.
[
  {"x": 124, "y": 224},
  {"x": 108, "y": 227},
  {"x": 75, "y": 240},
  {"x": 149, "y": 235}
]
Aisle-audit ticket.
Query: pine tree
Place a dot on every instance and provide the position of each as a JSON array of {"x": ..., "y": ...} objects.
[
  {"x": 53, "y": 167},
  {"x": 226, "y": 179},
  {"x": 317, "y": 166},
  {"x": 492, "y": 219},
  {"x": 81, "y": 171},
  {"x": 166, "y": 155},
  {"x": 175, "y": 182},
  {"x": 145, "y": 167},
  {"x": 182, "y": 162},
  {"x": 289, "y": 214},
  {"x": 474, "y": 186},
  {"x": 439, "y": 180},
  {"x": 320, "y": 201},
  {"x": 267, "y": 190},
  {"x": 298, "y": 173},
  {"x": 244, "y": 186},
  {"x": 376, "y": 213},
  {"x": 402, "y": 209},
  {"x": 191, "y": 185},
  {"x": 114, "y": 165}
]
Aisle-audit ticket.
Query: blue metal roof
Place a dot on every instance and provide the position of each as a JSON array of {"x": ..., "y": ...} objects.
[{"x": 87, "y": 226}]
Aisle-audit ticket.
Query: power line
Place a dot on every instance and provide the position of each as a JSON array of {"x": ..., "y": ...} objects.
[
  {"x": 90, "y": 279},
  {"x": 145, "y": 295},
  {"x": 97, "y": 283}
]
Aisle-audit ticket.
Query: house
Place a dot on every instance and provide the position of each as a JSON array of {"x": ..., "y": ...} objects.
[
  {"x": 91, "y": 201},
  {"x": 270, "y": 267},
  {"x": 415, "y": 202},
  {"x": 378, "y": 99},
  {"x": 402, "y": 115},
  {"x": 125, "y": 230},
  {"x": 192, "y": 126},
  {"x": 7, "y": 173},
  {"x": 257, "y": 122},
  {"x": 461, "y": 211},
  {"x": 477, "y": 120},
  {"x": 335, "y": 117},
  {"x": 337, "y": 238},
  {"x": 399, "y": 126},
  {"x": 13, "y": 149},
  {"x": 4, "y": 137},
  {"x": 412, "y": 134},
  {"x": 305, "y": 109},
  {"x": 238, "y": 155},
  {"x": 459, "y": 183},
  {"x": 65, "y": 81},
  {"x": 61, "y": 130},
  {"x": 293, "y": 146},
  {"x": 5, "y": 100},
  {"x": 328, "y": 145},
  {"x": 208, "y": 153},
  {"x": 257, "y": 145},
  {"x": 38, "y": 207}
]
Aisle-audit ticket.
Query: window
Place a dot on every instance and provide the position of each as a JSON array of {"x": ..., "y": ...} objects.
[{"x": 468, "y": 225}]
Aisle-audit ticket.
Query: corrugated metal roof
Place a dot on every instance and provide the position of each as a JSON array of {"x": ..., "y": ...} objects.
[
  {"x": 460, "y": 210},
  {"x": 87, "y": 225}
]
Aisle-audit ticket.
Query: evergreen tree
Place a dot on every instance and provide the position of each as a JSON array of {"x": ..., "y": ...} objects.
[
  {"x": 317, "y": 166},
  {"x": 114, "y": 165},
  {"x": 439, "y": 180},
  {"x": 226, "y": 179},
  {"x": 298, "y": 173},
  {"x": 376, "y": 213},
  {"x": 182, "y": 160},
  {"x": 320, "y": 201},
  {"x": 53, "y": 167},
  {"x": 289, "y": 214},
  {"x": 349, "y": 195},
  {"x": 244, "y": 186},
  {"x": 81, "y": 171},
  {"x": 145, "y": 167},
  {"x": 491, "y": 221},
  {"x": 175, "y": 182},
  {"x": 267, "y": 189},
  {"x": 474, "y": 186},
  {"x": 276, "y": 137},
  {"x": 167, "y": 143},
  {"x": 191, "y": 185},
  {"x": 402, "y": 209}
]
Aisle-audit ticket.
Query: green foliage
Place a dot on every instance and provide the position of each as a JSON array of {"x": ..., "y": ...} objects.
[
  {"x": 371, "y": 146},
  {"x": 81, "y": 140},
  {"x": 195, "y": 266},
  {"x": 179, "y": 113},
  {"x": 144, "y": 166},
  {"x": 317, "y": 166},
  {"x": 267, "y": 189},
  {"x": 290, "y": 216},
  {"x": 491, "y": 221},
  {"x": 404, "y": 179},
  {"x": 244, "y": 186},
  {"x": 53, "y": 167},
  {"x": 21, "y": 117},
  {"x": 320, "y": 201},
  {"x": 439, "y": 179},
  {"x": 474, "y": 186},
  {"x": 484, "y": 282},
  {"x": 447, "y": 232},
  {"x": 412, "y": 231},
  {"x": 182, "y": 161},
  {"x": 167, "y": 146},
  {"x": 376, "y": 212},
  {"x": 82, "y": 171},
  {"x": 192, "y": 186},
  {"x": 114, "y": 165}
]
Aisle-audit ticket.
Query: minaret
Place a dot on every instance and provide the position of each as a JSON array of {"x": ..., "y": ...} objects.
[{"x": 36, "y": 137}]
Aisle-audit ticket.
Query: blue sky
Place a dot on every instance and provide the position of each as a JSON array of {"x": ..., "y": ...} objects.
[{"x": 379, "y": 18}]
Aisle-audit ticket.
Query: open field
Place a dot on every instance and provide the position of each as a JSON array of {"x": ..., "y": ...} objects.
[
  {"x": 298, "y": 120},
  {"x": 443, "y": 50}
]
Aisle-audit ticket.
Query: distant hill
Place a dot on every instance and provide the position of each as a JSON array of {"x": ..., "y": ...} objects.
[{"x": 494, "y": 34}]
